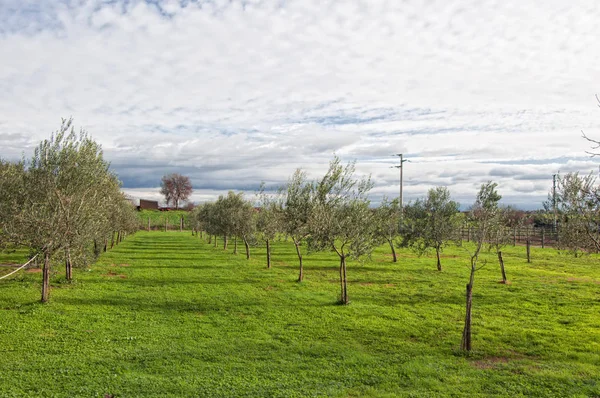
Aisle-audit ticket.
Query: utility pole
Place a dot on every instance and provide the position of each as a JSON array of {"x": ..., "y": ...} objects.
[
  {"x": 402, "y": 160},
  {"x": 554, "y": 199}
]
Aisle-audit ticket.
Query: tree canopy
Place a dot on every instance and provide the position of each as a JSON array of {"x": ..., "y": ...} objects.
[{"x": 175, "y": 188}]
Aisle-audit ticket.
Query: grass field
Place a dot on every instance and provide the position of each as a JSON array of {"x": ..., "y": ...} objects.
[
  {"x": 158, "y": 218},
  {"x": 166, "y": 315}
]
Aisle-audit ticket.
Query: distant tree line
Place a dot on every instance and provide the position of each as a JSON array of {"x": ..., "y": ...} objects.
[{"x": 64, "y": 203}]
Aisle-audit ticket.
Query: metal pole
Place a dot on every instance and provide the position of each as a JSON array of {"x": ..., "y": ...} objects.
[
  {"x": 554, "y": 200},
  {"x": 401, "y": 201},
  {"x": 402, "y": 160}
]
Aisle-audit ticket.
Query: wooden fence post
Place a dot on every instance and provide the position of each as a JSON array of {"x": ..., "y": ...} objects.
[
  {"x": 181, "y": 224},
  {"x": 543, "y": 237},
  {"x": 528, "y": 251}
]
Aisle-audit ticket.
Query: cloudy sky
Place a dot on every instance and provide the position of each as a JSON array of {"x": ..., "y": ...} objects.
[{"x": 235, "y": 92}]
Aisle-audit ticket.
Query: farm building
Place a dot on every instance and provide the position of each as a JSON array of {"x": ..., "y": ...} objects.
[{"x": 148, "y": 205}]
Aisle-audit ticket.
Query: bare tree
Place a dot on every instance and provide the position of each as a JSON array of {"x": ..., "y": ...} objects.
[
  {"x": 595, "y": 143},
  {"x": 483, "y": 215},
  {"x": 175, "y": 188}
]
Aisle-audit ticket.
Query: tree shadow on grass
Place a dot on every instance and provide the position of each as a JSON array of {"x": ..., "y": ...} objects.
[
  {"x": 177, "y": 257},
  {"x": 175, "y": 305},
  {"x": 165, "y": 281}
]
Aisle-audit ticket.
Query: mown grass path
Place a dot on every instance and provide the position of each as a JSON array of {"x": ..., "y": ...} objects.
[{"x": 166, "y": 314}]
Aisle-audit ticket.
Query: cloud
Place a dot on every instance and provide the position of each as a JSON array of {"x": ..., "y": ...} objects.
[{"x": 235, "y": 92}]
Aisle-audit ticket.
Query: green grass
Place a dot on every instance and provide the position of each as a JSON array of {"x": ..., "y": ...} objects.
[
  {"x": 13, "y": 257},
  {"x": 157, "y": 219},
  {"x": 166, "y": 314}
]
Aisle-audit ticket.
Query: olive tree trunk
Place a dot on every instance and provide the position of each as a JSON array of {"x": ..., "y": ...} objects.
[
  {"x": 501, "y": 261},
  {"x": 343, "y": 281},
  {"x": 268, "y": 254},
  {"x": 68, "y": 265},
  {"x": 247, "y": 248},
  {"x": 391, "y": 242},
  {"x": 46, "y": 278},
  {"x": 465, "y": 344},
  {"x": 439, "y": 263},
  {"x": 301, "y": 275}
]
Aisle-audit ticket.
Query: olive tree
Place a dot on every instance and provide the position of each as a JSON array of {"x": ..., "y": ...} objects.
[
  {"x": 387, "y": 219},
  {"x": 224, "y": 217},
  {"x": 268, "y": 219},
  {"x": 501, "y": 234},
  {"x": 297, "y": 210},
  {"x": 435, "y": 222},
  {"x": 483, "y": 215},
  {"x": 208, "y": 221},
  {"x": 578, "y": 211},
  {"x": 64, "y": 182},
  {"x": 11, "y": 191},
  {"x": 245, "y": 222},
  {"x": 342, "y": 220},
  {"x": 233, "y": 216}
]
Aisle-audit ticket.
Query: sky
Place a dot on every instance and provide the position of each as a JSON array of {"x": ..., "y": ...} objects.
[{"x": 235, "y": 92}]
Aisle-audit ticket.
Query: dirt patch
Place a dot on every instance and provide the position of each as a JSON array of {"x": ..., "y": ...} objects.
[
  {"x": 389, "y": 285},
  {"x": 124, "y": 265},
  {"x": 114, "y": 274},
  {"x": 584, "y": 280},
  {"x": 269, "y": 288},
  {"x": 489, "y": 363},
  {"x": 504, "y": 283},
  {"x": 34, "y": 270}
]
